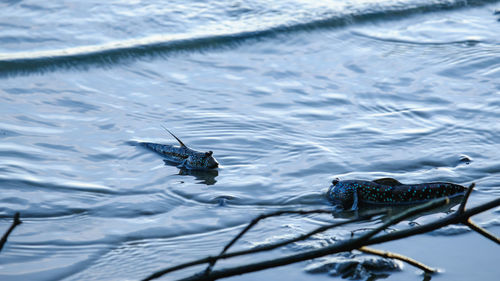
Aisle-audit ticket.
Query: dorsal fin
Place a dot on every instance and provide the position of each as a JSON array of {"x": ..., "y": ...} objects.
[
  {"x": 180, "y": 142},
  {"x": 388, "y": 181}
]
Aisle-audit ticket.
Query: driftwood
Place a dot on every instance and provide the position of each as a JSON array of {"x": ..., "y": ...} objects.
[
  {"x": 461, "y": 216},
  {"x": 15, "y": 223}
]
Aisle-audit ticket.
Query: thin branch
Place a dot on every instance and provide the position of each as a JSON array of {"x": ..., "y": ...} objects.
[
  {"x": 461, "y": 208},
  {"x": 261, "y": 248},
  {"x": 482, "y": 231},
  {"x": 406, "y": 214},
  {"x": 400, "y": 257},
  {"x": 274, "y": 214},
  {"x": 455, "y": 218},
  {"x": 342, "y": 246},
  {"x": 254, "y": 222},
  {"x": 15, "y": 223},
  {"x": 296, "y": 239},
  {"x": 347, "y": 245},
  {"x": 162, "y": 272}
]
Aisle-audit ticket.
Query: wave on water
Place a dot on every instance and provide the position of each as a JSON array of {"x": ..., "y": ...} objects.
[
  {"x": 468, "y": 42},
  {"x": 103, "y": 55}
]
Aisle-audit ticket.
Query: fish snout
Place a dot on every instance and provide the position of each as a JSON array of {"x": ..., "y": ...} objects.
[
  {"x": 211, "y": 162},
  {"x": 334, "y": 193}
]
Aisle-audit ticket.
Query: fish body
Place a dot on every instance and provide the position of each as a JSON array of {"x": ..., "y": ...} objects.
[
  {"x": 387, "y": 191},
  {"x": 183, "y": 156}
]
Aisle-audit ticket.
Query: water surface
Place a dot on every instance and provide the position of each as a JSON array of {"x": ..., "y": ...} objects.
[{"x": 288, "y": 95}]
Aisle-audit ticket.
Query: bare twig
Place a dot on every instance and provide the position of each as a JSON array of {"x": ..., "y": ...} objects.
[
  {"x": 471, "y": 224},
  {"x": 347, "y": 245},
  {"x": 461, "y": 216},
  {"x": 461, "y": 208},
  {"x": 400, "y": 257},
  {"x": 15, "y": 223},
  {"x": 455, "y": 218},
  {"x": 262, "y": 248},
  {"x": 406, "y": 214},
  {"x": 482, "y": 231},
  {"x": 298, "y": 238},
  {"x": 335, "y": 248},
  {"x": 254, "y": 222}
]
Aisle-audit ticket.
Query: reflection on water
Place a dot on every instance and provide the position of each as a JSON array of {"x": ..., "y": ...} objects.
[
  {"x": 203, "y": 176},
  {"x": 391, "y": 211}
]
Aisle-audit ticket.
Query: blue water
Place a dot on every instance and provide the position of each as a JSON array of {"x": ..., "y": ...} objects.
[{"x": 288, "y": 95}]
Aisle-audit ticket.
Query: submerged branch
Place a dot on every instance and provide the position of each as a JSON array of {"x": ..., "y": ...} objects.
[
  {"x": 212, "y": 259},
  {"x": 455, "y": 218},
  {"x": 253, "y": 223},
  {"x": 406, "y": 214},
  {"x": 461, "y": 216},
  {"x": 15, "y": 223},
  {"x": 342, "y": 246},
  {"x": 204, "y": 276}
]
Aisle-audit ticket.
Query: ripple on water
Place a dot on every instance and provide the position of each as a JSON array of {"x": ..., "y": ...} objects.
[
  {"x": 284, "y": 114},
  {"x": 46, "y": 262}
]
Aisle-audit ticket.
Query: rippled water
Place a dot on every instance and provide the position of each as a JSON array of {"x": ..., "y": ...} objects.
[{"x": 288, "y": 95}]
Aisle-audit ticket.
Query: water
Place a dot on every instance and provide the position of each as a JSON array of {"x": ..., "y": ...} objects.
[{"x": 288, "y": 95}]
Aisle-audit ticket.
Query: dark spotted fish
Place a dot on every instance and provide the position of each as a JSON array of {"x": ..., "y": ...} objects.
[
  {"x": 183, "y": 156},
  {"x": 387, "y": 191}
]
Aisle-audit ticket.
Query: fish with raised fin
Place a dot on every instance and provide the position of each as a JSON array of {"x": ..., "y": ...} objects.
[
  {"x": 387, "y": 191},
  {"x": 183, "y": 156}
]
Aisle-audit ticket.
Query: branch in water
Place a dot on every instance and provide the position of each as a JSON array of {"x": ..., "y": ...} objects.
[
  {"x": 461, "y": 216},
  {"x": 277, "y": 262},
  {"x": 15, "y": 223},
  {"x": 400, "y": 257},
  {"x": 482, "y": 231},
  {"x": 212, "y": 259},
  {"x": 286, "y": 242},
  {"x": 455, "y": 218},
  {"x": 461, "y": 208},
  {"x": 344, "y": 246},
  {"x": 253, "y": 223}
]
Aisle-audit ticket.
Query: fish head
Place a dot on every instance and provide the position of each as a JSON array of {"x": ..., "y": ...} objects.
[
  {"x": 341, "y": 193},
  {"x": 210, "y": 161},
  {"x": 202, "y": 161},
  {"x": 335, "y": 192}
]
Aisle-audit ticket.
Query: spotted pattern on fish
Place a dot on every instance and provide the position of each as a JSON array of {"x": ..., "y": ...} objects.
[
  {"x": 350, "y": 193},
  {"x": 177, "y": 154},
  {"x": 184, "y": 156}
]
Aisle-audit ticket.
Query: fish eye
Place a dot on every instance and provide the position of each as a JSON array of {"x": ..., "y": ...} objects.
[
  {"x": 335, "y": 181},
  {"x": 209, "y": 153}
]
